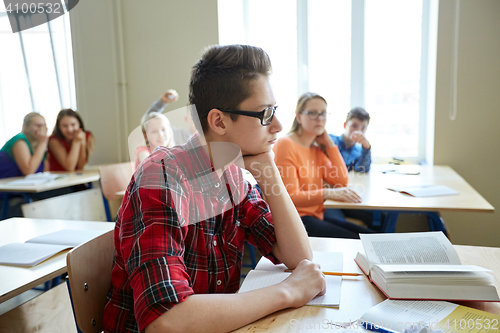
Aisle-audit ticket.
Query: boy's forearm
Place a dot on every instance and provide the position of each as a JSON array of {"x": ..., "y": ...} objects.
[
  {"x": 221, "y": 312},
  {"x": 292, "y": 244}
]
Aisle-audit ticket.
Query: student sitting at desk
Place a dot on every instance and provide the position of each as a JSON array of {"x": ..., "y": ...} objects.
[
  {"x": 24, "y": 154},
  {"x": 69, "y": 145},
  {"x": 157, "y": 131},
  {"x": 353, "y": 145},
  {"x": 182, "y": 225},
  {"x": 307, "y": 158}
]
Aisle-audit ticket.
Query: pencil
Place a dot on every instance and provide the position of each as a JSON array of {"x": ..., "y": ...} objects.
[{"x": 332, "y": 273}]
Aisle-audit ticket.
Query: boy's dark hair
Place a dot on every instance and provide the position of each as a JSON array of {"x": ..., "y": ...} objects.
[
  {"x": 63, "y": 113},
  {"x": 358, "y": 113},
  {"x": 223, "y": 78}
]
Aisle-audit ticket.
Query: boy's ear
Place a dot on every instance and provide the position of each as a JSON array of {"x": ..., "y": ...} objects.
[
  {"x": 345, "y": 124},
  {"x": 215, "y": 121}
]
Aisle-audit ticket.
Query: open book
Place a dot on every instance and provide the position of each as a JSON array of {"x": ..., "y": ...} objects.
[
  {"x": 36, "y": 250},
  {"x": 422, "y": 265},
  {"x": 424, "y": 190},
  {"x": 267, "y": 274},
  {"x": 451, "y": 318},
  {"x": 37, "y": 178}
]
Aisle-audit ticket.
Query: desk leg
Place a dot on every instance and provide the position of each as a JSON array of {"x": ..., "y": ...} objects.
[
  {"x": 377, "y": 218},
  {"x": 436, "y": 222},
  {"x": 5, "y": 202},
  {"x": 27, "y": 197},
  {"x": 5, "y": 206},
  {"x": 106, "y": 209},
  {"x": 390, "y": 219}
]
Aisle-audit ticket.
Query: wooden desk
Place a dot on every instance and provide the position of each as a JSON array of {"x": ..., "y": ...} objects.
[
  {"x": 74, "y": 178},
  {"x": 358, "y": 294},
  {"x": 372, "y": 187},
  {"x": 16, "y": 280}
]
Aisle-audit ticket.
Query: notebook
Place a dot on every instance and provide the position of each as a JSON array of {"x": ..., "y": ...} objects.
[
  {"x": 422, "y": 265},
  {"x": 38, "y": 249},
  {"x": 267, "y": 274},
  {"x": 413, "y": 315},
  {"x": 424, "y": 190},
  {"x": 37, "y": 178}
]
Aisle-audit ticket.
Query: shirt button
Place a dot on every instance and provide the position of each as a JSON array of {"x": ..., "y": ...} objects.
[
  {"x": 215, "y": 243},
  {"x": 217, "y": 185},
  {"x": 219, "y": 282}
]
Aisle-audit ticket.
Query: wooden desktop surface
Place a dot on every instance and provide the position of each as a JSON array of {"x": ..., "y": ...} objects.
[
  {"x": 74, "y": 178},
  {"x": 15, "y": 280},
  {"x": 358, "y": 294},
  {"x": 372, "y": 187}
]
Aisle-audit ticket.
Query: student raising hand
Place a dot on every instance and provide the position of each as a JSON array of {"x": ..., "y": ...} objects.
[{"x": 169, "y": 96}]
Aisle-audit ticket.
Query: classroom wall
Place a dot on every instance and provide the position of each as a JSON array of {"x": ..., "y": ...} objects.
[
  {"x": 470, "y": 143},
  {"x": 117, "y": 81},
  {"x": 127, "y": 53}
]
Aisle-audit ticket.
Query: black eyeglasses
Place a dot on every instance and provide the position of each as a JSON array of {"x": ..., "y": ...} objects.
[
  {"x": 314, "y": 114},
  {"x": 265, "y": 116}
]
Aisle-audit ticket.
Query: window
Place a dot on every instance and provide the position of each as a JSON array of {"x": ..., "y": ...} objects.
[
  {"x": 36, "y": 72},
  {"x": 372, "y": 54}
]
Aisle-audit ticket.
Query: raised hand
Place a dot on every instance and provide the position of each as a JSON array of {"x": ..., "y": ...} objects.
[{"x": 169, "y": 96}]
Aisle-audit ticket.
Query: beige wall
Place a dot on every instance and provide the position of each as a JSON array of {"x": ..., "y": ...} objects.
[
  {"x": 471, "y": 143},
  {"x": 117, "y": 79}
]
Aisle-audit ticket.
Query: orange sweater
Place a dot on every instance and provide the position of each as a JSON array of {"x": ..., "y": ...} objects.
[{"x": 304, "y": 171}]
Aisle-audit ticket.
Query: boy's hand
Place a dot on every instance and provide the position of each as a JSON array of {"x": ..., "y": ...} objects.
[
  {"x": 169, "y": 96},
  {"x": 260, "y": 165},
  {"x": 357, "y": 136},
  {"x": 342, "y": 194},
  {"x": 306, "y": 282}
]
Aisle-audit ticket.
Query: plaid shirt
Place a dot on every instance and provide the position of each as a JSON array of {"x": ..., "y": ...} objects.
[{"x": 180, "y": 231}]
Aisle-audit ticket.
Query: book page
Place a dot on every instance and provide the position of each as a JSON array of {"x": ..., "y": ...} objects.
[
  {"x": 67, "y": 237},
  {"x": 465, "y": 319},
  {"x": 27, "y": 254},
  {"x": 37, "y": 178},
  {"x": 425, "y": 190},
  {"x": 398, "y": 315},
  {"x": 432, "y": 248}
]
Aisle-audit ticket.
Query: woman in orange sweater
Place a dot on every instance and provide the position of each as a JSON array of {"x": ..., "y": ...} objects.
[{"x": 307, "y": 158}]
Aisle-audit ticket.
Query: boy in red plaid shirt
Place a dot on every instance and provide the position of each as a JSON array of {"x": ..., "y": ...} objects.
[{"x": 187, "y": 212}]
